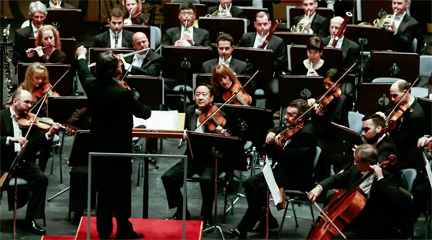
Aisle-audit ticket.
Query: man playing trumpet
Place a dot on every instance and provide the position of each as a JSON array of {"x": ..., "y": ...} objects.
[
  {"x": 226, "y": 9},
  {"x": 311, "y": 22}
]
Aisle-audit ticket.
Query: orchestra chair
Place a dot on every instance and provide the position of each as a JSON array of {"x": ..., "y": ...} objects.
[
  {"x": 68, "y": 22},
  {"x": 394, "y": 64},
  {"x": 249, "y": 13},
  {"x": 425, "y": 66},
  {"x": 408, "y": 176},
  {"x": 57, "y": 147},
  {"x": 56, "y": 71},
  {"x": 385, "y": 80},
  {"x": 355, "y": 121},
  {"x": 156, "y": 37},
  {"x": 299, "y": 197},
  {"x": 171, "y": 10}
]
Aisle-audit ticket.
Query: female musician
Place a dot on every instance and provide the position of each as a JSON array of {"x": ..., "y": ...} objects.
[
  {"x": 313, "y": 65},
  {"x": 223, "y": 79},
  {"x": 134, "y": 13},
  {"x": 380, "y": 190},
  {"x": 47, "y": 46},
  {"x": 36, "y": 81}
]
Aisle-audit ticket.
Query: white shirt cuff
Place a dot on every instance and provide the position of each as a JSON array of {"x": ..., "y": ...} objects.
[{"x": 82, "y": 56}]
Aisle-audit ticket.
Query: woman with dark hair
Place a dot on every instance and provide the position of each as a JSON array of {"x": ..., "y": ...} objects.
[
  {"x": 47, "y": 46},
  {"x": 224, "y": 79},
  {"x": 313, "y": 65}
]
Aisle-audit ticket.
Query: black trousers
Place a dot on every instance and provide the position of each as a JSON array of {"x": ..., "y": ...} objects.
[{"x": 173, "y": 182}]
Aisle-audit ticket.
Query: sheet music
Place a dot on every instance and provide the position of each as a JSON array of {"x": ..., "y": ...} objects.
[
  {"x": 428, "y": 169},
  {"x": 271, "y": 183},
  {"x": 159, "y": 120}
]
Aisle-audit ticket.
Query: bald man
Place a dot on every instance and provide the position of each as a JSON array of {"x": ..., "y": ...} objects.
[
  {"x": 143, "y": 63},
  {"x": 350, "y": 49}
]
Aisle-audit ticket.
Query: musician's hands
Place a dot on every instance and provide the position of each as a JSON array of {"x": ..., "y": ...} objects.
[
  {"x": 121, "y": 58},
  {"x": 81, "y": 50},
  {"x": 20, "y": 140},
  {"x": 222, "y": 131},
  {"x": 30, "y": 53},
  {"x": 270, "y": 137},
  {"x": 39, "y": 51},
  {"x": 188, "y": 37},
  {"x": 278, "y": 140},
  {"x": 423, "y": 141},
  {"x": 305, "y": 24},
  {"x": 179, "y": 43},
  {"x": 314, "y": 193},
  {"x": 312, "y": 72},
  {"x": 54, "y": 129},
  {"x": 311, "y": 101},
  {"x": 389, "y": 22},
  {"x": 377, "y": 171}
]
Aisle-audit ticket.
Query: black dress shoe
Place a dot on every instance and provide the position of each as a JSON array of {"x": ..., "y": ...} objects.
[
  {"x": 129, "y": 235},
  {"x": 235, "y": 232},
  {"x": 261, "y": 227},
  {"x": 178, "y": 216},
  {"x": 33, "y": 227}
]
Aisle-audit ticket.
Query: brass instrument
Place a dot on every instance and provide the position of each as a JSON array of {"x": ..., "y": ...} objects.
[
  {"x": 379, "y": 22},
  {"x": 7, "y": 62},
  {"x": 57, "y": 5},
  {"x": 218, "y": 13},
  {"x": 299, "y": 28}
]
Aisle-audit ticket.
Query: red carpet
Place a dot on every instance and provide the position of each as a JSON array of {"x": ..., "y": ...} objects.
[
  {"x": 48, "y": 237},
  {"x": 151, "y": 228}
]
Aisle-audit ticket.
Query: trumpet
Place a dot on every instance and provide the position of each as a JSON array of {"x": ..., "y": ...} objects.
[
  {"x": 299, "y": 28},
  {"x": 34, "y": 49},
  {"x": 379, "y": 22},
  {"x": 126, "y": 55}
]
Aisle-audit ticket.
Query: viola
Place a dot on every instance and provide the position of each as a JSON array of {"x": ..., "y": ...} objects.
[
  {"x": 343, "y": 208},
  {"x": 242, "y": 97},
  {"x": 215, "y": 121},
  {"x": 44, "y": 123},
  {"x": 394, "y": 117},
  {"x": 45, "y": 89},
  {"x": 337, "y": 93}
]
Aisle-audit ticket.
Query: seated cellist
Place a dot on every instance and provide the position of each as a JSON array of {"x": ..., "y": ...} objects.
[{"x": 380, "y": 190}]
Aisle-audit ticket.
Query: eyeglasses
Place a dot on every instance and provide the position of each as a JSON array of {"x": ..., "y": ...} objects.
[{"x": 186, "y": 13}]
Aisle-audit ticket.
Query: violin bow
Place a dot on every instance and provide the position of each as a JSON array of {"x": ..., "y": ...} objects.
[
  {"x": 400, "y": 100},
  {"x": 228, "y": 100},
  {"x": 49, "y": 89},
  {"x": 328, "y": 219}
]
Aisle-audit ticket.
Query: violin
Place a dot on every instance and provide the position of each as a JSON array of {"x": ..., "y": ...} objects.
[
  {"x": 125, "y": 85},
  {"x": 289, "y": 132},
  {"x": 216, "y": 120},
  {"x": 45, "y": 89},
  {"x": 242, "y": 98},
  {"x": 337, "y": 93},
  {"x": 44, "y": 123},
  {"x": 343, "y": 208},
  {"x": 393, "y": 118}
]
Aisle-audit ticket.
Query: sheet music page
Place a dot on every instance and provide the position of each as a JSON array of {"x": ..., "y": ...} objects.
[
  {"x": 428, "y": 169},
  {"x": 163, "y": 120},
  {"x": 271, "y": 183},
  {"x": 139, "y": 122}
]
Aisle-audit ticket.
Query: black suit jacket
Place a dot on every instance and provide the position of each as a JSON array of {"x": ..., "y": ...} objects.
[
  {"x": 276, "y": 44},
  {"x": 386, "y": 147},
  {"x": 201, "y": 37},
  {"x": 375, "y": 216},
  {"x": 21, "y": 35},
  {"x": 235, "y": 11},
  {"x": 103, "y": 40},
  {"x": 350, "y": 51},
  {"x": 151, "y": 65},
  {"x": 62, "y": 5},
  {"x": 37, "y": 141},
  {"x": 407, "y": 31},
  {"x": 320, "y": 25},
  {"x": 406, "y": 134},
  {"x": 238, "y": 66}
]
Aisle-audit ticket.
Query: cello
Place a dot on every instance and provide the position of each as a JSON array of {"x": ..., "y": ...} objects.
[{"x": 343, "y": 208}]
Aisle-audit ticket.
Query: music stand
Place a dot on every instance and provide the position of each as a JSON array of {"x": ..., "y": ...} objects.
[
  {"x": 377, "y": 38},
  {"x": 332, "y": 56},
  {"x": 55, "y": 70},
  {"x": 216, "y": 26},
  {"x": 150, "y": 89},
  {"x": 261, "y": 59},
  {"x": 224, "y": 152},
  {"x": 426, "y": 104},
  {"x": 292, "y": 87},
  {"x": 61, "y": 108},
  {"x": 346, "y": 138},
  {"x": 249, "y": 13},
  {"x": 394, "y": 64},
  {"x": 370, "y": 9},
  {"x": 69, "y": 22},
  {"x": 373, "y": 97},
  {"x": 294, "y": 38},
  {"x": 171, "y": 10},
  {"x": 68, "y": 46}
]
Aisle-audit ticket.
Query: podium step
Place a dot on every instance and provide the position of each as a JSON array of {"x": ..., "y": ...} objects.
[
  {"x": 48, "y": 237},
  {"x": 151, "y": 228}
]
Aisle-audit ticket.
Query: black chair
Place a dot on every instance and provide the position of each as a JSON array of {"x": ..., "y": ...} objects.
[{"x": 297, "y": 196}]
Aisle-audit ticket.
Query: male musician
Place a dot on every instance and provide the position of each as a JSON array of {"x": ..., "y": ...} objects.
[
  {"x": 173, "y": 178},
  {"x": 187, "y": 35},
  {"x": 115, "y": 37},
  {"x": 380, "y": 190},
  {"x": 350, "y": 49},
  {"x": 225, "y": 47},
  {"x": 409, "y": 128},
  {"x": 294, "y": 169},
  {"x": 110, "y": 100},
  {"x": 315, "y": 23},
  {"x": 144, "y": 63},
  {"x": 404, "y": 27},
  {"x": 262, "y": 26},
  {"x": 58, "y": 4},
  {"x": 37, "y": 14},
  {"x": 226, "y": 9},
  {"x": 12, "y": 139}
]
